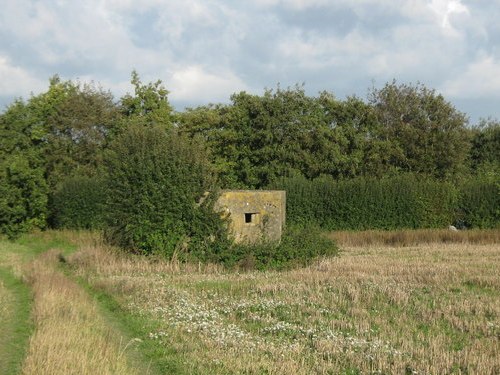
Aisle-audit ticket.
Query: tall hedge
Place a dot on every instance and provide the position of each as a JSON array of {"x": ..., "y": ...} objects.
[
  {"x": 479, "y": 205},
  {"x": 23, "y": 195},
  {"x": 404, "y": 201}
]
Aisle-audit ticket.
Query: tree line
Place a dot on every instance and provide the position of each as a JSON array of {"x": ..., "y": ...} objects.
[{"x": 74, "y": 156}]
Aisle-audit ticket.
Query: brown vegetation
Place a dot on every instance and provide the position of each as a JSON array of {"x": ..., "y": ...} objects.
[
  {"x": 415, "y": 237},
  {"x": 70, "y": 337}
]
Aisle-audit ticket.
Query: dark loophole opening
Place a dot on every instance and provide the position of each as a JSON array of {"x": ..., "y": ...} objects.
[{"x": 248, "y": 217}]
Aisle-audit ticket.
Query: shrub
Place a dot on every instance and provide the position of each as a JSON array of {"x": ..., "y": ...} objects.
[
  {"x": 157, "y": 178},
  {"x": 299, "y": 246},
  {"x": 79, "y": 203},
  {"x": 23, "y": 195}
]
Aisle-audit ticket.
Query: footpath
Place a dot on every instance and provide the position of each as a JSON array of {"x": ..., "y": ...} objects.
[{"x": 49, "y": 324}]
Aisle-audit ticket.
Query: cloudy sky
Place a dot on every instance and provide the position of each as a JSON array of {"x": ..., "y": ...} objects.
[{"x": 205, "y": 50}]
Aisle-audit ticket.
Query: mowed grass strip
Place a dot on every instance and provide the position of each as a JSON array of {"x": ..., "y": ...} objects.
[
  {"x": 15, "y": 322},
  {"x": 70, "y": 336},
  {"x": 431, "y": 308}
]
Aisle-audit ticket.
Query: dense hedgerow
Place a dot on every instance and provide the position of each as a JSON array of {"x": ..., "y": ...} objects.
[
  {"x": 404, "y": 201},
  {"x": 479, "y": 205},
  {"x": 79, "y": 203}
]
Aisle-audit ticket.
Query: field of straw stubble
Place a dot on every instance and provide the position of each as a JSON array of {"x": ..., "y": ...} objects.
[{"x": 376, "y": 309}]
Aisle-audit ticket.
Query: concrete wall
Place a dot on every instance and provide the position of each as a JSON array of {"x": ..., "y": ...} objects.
[{"x": 254, "y": 214}]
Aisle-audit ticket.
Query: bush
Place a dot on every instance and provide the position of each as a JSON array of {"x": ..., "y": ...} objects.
[
  {"x": 156, "y": 181},
  {"x": 79, "y": 203},
  {"x": 23, "y": 195},
  {"x": 299, "y": 246}
]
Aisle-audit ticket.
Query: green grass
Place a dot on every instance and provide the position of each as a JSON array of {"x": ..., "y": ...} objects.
[{"x": 15, "y": 323}]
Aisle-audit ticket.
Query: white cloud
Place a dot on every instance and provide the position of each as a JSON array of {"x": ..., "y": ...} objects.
[
  {"x": 204, "y": 50},
  {"x": 315, "y": 51},
  {"x": 16, "y": 81},
  {"x": 480, "y": 79},
  {"x": 194, "y": 82},
  {"x": 445, "y": 10}
]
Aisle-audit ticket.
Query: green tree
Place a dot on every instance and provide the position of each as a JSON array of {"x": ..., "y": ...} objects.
[
  {"x": 157, "y": 181},
  {"x": 256, "y": 139},
  {"x": 149, "y": 105},
  {"x": 56, "y": 134},
  {"x": 355, "y": 131},
  {"x": 428, "y": 134},
  {"x": 78, "y": 130},
  {"x": 23, "y": 188}
]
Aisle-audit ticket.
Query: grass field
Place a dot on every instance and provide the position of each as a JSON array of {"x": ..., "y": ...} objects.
[
  {"x": 376, "y": 309},
  {"x": 412, "y": 302}
]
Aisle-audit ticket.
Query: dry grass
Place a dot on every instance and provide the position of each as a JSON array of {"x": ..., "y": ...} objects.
[
  {"x": 426, "y": 309},
  {"x": 70, "y": 337},
  {"x": 415, "y": 237}
]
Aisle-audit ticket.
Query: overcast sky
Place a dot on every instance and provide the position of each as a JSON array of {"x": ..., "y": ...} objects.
[{"x": 205, "y": 50}]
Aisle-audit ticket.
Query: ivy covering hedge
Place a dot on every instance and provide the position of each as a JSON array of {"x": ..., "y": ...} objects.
[{"x": 403, "y": 201}]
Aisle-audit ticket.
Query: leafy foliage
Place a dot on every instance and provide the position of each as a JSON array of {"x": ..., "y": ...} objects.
[
  {"x": 479, "y": 205},
  {"x": 299, "y": 246},
  {"x": 156, "y": 181},
  {"x": 485, "y": 147},
  {"x": 79, "y": 203},
  {"x": 427, "y": 132},
  {"x": 149, "y": 105},
  {"x": 78, "y": 131},
  {"x": 23, "y": 195}
]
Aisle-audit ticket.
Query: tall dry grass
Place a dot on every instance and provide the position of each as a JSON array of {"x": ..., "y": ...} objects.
[
  {"x": 70, "y": 336},
  {"x": 425, "y": 309},
  {"x": 415, "y": 237}
]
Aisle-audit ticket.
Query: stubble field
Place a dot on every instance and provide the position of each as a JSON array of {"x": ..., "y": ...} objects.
[{"x": 376, "y": 309}]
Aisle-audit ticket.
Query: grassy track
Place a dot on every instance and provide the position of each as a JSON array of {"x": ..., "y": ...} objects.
[
  {"x": 16, "y": 324},
  {"x": 69, "y": 332},
  {"x": 70, "y": 337}
]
